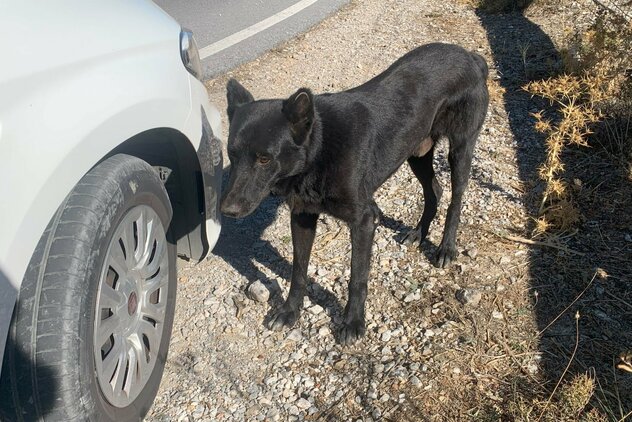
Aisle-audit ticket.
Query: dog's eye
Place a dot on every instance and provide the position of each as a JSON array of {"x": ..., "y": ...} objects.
[{"x": 262, "y": 160}]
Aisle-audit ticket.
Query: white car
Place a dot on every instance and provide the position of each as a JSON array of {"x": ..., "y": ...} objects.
[{"x": 111, "y": 168}]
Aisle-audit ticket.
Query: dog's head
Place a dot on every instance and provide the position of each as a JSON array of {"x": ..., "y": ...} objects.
[{"x": 267, "y": 142}]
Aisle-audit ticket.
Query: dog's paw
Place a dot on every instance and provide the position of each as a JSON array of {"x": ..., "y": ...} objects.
[
  {"x": 412, "y": 237},
  {"x": 352, "y": 332},
  {"x": 446, "y": 255},
  {"x": 284, "y": 317}
]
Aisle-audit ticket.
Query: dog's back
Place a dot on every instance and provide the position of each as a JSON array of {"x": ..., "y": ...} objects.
[{"x": 433, "y": 91}]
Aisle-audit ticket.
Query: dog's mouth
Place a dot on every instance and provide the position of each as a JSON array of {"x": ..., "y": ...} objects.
[
  {"x": 237, "y": 208},
  {"x": 235, "y": 211}
]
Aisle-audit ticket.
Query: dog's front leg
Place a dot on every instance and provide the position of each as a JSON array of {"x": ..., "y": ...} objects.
[
  {"x": 303, "y": 232},
  {"x": 362, "y": 233}
]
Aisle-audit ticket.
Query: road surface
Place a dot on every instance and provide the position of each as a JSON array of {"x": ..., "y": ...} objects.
[{"x": 229, "y": 33}]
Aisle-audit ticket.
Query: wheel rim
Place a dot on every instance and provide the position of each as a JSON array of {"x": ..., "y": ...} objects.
[{"x": 131, "y": 305}]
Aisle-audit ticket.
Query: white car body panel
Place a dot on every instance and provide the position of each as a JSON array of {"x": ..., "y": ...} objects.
[{"x": 116, "y": 66}]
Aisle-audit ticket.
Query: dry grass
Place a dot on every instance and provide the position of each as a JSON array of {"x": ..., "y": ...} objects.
[{"x": 575, "y": 99}]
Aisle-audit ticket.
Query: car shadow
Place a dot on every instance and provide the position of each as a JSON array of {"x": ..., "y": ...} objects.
[
  {"x": 241, "y": 245},
  {"x": 523, "y": 52}
]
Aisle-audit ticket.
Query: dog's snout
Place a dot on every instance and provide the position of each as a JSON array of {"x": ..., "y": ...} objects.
[{"x": 230, "y": 209}]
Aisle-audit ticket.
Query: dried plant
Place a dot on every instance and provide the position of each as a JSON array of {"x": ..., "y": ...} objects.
[{"x": 575, "y": 98}]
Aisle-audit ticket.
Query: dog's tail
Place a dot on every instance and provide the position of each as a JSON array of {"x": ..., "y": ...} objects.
[{"x": 482, "y": 64}]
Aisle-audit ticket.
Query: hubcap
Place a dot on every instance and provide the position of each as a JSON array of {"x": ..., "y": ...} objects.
[{"x": 131, "y": 305}]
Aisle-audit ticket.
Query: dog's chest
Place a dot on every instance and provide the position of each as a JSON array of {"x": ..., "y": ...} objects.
[
  {"x": 298, "y": 204},
  {"x": 341, "y": 210}
]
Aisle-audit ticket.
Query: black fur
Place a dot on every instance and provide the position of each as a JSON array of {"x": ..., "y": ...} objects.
[{"x": 329, "y": 153}]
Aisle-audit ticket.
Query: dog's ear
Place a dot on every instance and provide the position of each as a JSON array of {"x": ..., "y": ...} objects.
[
  {"x": 299, "y": 111},
  {"x": 236, "y": 95}
]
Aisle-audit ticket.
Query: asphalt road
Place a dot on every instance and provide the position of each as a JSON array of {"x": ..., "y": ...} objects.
[{"x": 229, "y": 33}]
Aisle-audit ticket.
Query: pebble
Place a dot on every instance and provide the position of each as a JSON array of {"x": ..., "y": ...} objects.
[
  {"x": 303, "y": 404},
  {"x": 324, "y": 331},
  {"x": 315, "y": 309},
  {"x": 386, "y": 335},
  {"x": 471, "y": 297},
  {"x": 295, "y": 335},
  {"x": 258, "y": 292},
  {"x": 412, "y": 296}
]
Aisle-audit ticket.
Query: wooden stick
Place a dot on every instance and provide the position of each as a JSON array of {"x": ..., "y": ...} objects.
[{"x": 538, "y": 243}]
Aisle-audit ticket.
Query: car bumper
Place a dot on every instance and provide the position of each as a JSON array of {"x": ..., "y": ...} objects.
[{"x": 211, "y": 164}]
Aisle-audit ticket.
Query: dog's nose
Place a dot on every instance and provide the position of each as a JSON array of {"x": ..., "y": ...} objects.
[{"x": 230, "y": 209}]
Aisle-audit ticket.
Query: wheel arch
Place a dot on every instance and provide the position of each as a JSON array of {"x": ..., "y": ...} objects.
[{"x": 171, "y": 153}]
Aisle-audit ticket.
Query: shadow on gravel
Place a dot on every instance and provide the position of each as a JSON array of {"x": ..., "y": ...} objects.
[
  {"x": 241, "y": 245},
  {"x": 25, "y": 369},
  {"x": 401, "y": 229},
  {"x": 19, "y": 370},
  {"x": 523, "y": 52}
]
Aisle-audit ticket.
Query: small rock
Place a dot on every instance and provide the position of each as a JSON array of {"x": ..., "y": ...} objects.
[
  {"x": 386, "y": 335},
  {"x": 258, "y": 292},
  {"x": 497, "y": 315},
  {"x": 252, "y": 411},
  {"x": 505, "y": 260},
  {"x": 414, "y": 380},
  {"x": 340, "y": 364},
  {"x": 315, "y": 310},
  {"x": 273, "y": 414},
  {"x": 472, "y": 252},
  {"x": 416, "y": 295},
  {"x": 303, "y": 404},
  {"x": 198, "y": 412},
  {"x": 471, "y": 297},
  {"x": 324, "y": 331},
  {"x": 295, "y": 335}
]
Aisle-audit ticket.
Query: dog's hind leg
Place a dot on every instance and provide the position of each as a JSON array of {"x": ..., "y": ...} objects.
[
  {"x": 423, "y": 169},
  {"x": 362, "y": 234},
  {"x": 303, "y": 232},
  {"x": 460, "y": 159}
]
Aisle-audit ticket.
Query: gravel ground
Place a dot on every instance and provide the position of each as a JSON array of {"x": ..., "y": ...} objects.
[{"x": 440, "y": 344}]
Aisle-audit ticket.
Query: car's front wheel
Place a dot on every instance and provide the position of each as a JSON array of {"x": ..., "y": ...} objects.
[{"x": 91, "y": 328}]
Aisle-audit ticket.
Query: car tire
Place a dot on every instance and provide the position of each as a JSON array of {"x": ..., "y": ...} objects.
[{"x": 107, "y": 247}]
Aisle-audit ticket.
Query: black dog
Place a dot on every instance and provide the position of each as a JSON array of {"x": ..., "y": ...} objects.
[{"x": 329, "y": 153}]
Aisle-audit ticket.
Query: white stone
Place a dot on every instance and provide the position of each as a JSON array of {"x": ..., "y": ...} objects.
[{"x": 258, "y": 292}]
